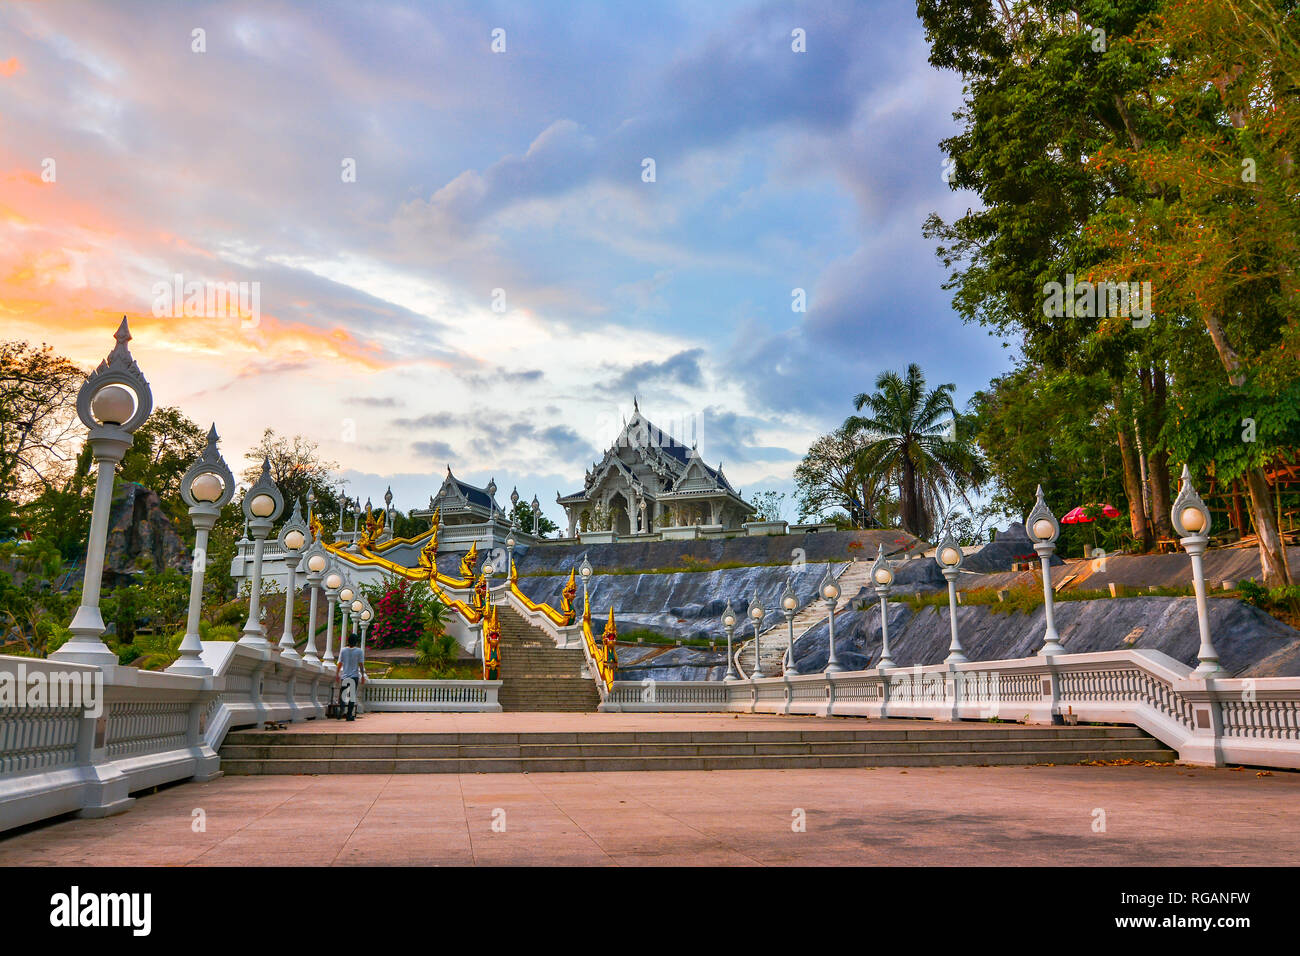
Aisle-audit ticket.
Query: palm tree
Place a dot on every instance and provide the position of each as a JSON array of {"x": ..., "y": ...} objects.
[{"x": 914, "y": 440}]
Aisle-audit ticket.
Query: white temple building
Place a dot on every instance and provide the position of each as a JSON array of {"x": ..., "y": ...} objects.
[{"x": 649, "y": 482}]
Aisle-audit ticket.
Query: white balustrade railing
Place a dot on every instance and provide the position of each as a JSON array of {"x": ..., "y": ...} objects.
[
  {"x": 1251, "y": 721},
  {"x": 432, "y": 695},
  {"x": 128, "y": 730}
]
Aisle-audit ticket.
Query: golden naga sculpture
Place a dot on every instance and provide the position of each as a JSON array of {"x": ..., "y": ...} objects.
[
  {"x": 316, "y": 527},
  {"x": 491, "y": 645},
  {"x": 468, "y": 561},
  {"x": 477, "y": 603},
  {"x": 567, "y": 595},
  {"x": 610, "y": 641},
  {"x": 373, "y": 528},
  {"x": 429, "y": 553}
]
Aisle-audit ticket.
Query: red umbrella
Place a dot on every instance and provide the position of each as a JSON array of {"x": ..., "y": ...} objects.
[{"x": 1080, "y": 514}]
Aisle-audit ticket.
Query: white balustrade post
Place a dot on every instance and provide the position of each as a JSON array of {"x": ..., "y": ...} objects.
[
  {"x": 113, "y": 402},
  {"x": 206, "y": 487}
]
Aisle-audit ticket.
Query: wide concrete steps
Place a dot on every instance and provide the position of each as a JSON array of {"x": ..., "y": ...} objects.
[
  {"x": 254, "y": 752},
  {"x": 537, "y": 676}
]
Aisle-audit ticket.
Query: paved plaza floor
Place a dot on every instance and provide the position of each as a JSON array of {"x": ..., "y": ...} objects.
[{"x": 1153, "y": 815}]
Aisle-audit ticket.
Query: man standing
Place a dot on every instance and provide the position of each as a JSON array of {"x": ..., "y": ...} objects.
[{"x": 349, "y": 666}]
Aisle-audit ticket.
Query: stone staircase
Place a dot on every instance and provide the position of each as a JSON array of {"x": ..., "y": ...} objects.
[
  {"x": 538, "y": 676},
  {"x": 776, "y": 638},
  {"x": 258, "y": 752}
]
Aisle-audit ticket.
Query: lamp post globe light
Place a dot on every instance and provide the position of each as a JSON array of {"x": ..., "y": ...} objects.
[
  {"x": 537, "y": 511},
  {"x": 510, "y": 548},
  {"x": 1042, "y": 528},
  {"x": 789, "y": 605},
  {"x": 584, "y": 569},
  {"x": 729, "y": 625},
  {"x": 333, "y": 582},
  {"x": 829, "y": 589},
  {"x": 112, "y": 403},
  {"x": 882, "y": 577},
  {"x": 292, "y": 540},
  {"x": 263, "y": 503},
  {"x": 1191, "y": 519},
  {"x": 315, "y": 559},
  {"x": 207, "y": 486},
  {"x": 756, "y": 614},
  {"x": 949, "y": 557}
]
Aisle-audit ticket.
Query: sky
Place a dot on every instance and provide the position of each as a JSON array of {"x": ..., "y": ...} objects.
[{"x": 451, "y": 246}]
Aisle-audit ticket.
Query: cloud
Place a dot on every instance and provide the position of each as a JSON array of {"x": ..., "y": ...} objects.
[
  {"x": 438, "y": 450},
  {"x": 680, "y": 369}
]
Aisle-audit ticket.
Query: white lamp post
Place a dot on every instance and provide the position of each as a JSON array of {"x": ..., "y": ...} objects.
[
  {"x": 789, "y": 605},
  {"x": 510, "y": 549},
  {"x": 830, "y": 592},
  {"x": 358, "y": 606},
  {"x": 316, "y": 560},
  {"x": 949, "y": 558},
  {"x": 1042, "y": 529},
  {"x": 333, "y": 584},
  {"x": 1191, "y": 519},
  {"x": 756, "y": 613},
  {"x": 292, "y": 539},
  {"x": 585, "y": 570},
  {"x": 882, "y": 576},
  {"x": 537, "y": 511},
  {"x": 729, "y": 625},
  {"x": 263, "y": 503},
  {"x": 346, "y": 595},
  {"x": 113, "y": 402},
  {"x": 206, "y": 487}
]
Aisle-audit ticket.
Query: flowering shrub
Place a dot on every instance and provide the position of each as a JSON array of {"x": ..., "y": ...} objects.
[{"x": 404, "y": 611}]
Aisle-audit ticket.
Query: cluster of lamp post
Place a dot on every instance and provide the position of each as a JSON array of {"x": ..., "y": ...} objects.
[
  {"x": 113, "y": 403},
  {"x": 116, "y": 399},
  {"x": 1190, "y": 517}
]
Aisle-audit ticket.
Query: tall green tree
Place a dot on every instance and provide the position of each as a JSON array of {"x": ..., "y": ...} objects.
[
  {"x": 1048, "y": 85},
  {"x": 297, "y": 467},
  {"x": 39, "y": 429},
  {"x": 915, "y": 439},
  {"x": 1216, "y": 223}
]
